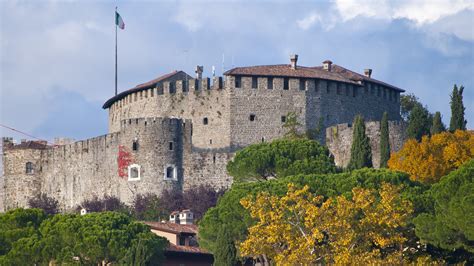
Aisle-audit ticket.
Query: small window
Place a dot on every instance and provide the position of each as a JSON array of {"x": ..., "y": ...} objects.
[
  {"x": 170, "y": 172},
  {"x": 316, "y": 85},
  {"x": 270, "y": 83},
  {"x": 205, "y": 121},
  {"x": 263, "y": 139},
  {"x": 302, "y": 84},
  {"x": 134, "y": 172},
  {"x": 170, "y": 145},
  {"x": 283, "y": 119},
  {"x": 210, "y": 141},
  {"x": 214, "y": 158},
  {"x": 254, "y": 82},
  {"x": 286, "y": 84},
  {"x": 29, "y": 168},
  {"x": 172, "y": 87},
  {"x": 354, "y": 91},
  {"x": 252, "y": 117},
  {"x": 135, "y": 145},
  {"x": 348, "y": 91},
  {"x": 379, "y": 92},
  {"x": 238, "y": 82}
]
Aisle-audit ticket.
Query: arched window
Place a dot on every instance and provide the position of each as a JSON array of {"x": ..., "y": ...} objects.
[
  {"x": 29, "y": 168},
  {"x": 134, "y": 172}
]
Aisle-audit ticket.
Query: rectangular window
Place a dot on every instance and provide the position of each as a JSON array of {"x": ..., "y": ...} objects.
[
  {"x": 302, "y": 84},
  {"x": 283, "y": 119},
  {"x": 170, "y": 145},
  {"x": 379, "y": 92},
  {"x": 354, "y": 91},
  {"x": 252, "y": 117},
  {"x": 172, "y": 87},
  {"x": 270, "y": 83},
  {"x": 285, "y": 84},
  {"x": 347, "y": 90},
  {"x": 328, "y": 89},
  {"x": 238, "y": 82},
  {"x": 254, "y": 82}
]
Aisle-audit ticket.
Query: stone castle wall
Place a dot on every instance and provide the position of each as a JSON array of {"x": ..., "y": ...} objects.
[{"x": 339, "y": 140}]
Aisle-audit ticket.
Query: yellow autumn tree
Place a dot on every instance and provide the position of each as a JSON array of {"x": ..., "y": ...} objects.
[
  {"x": 302, "y": 229},
  {"x": 435, "y": 156}
]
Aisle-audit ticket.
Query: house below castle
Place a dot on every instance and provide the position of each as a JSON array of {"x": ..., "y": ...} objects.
[{"x": 178, "y": 131}]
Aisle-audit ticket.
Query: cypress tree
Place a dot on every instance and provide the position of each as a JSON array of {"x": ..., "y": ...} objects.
[
  {"x": 361, "y": 154},
  {"x": 419, "y": 122},
  {"x": 457, "y": 110},
  {"x": 384, "y": 141},
  {"x": 226, "y": 252},
  {"x": 438, "y": 125}
]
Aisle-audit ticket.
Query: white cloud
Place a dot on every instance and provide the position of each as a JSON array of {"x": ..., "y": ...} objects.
[
  {"x": 309, "y": 21},
  {"x": 419, "y": 11}
]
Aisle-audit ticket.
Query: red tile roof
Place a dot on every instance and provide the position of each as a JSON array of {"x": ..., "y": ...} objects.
[
  {"x": 173, "y": 227},
  {"x": 144, "y": 86},
  {"x": 286, "y": 71},
  {"x": 187, "y": 249},
  {"x": 349, "y": 74}
]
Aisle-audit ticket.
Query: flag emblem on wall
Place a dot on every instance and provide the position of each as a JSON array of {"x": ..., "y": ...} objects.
[{"x": 119, "y": 21}]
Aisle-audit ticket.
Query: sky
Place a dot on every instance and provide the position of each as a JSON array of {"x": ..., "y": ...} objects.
[{"x": 57, "y": 57}]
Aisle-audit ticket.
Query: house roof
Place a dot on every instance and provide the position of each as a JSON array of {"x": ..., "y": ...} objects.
[
  {"x": 187, "y": 249},
  {"x": 285, "y": 70},
  {"x": 173, "y": 227},
  {"x": 140, "y": 87},
  {"x": 349, "y": 74},
  {"x": 337, "y": 73}
]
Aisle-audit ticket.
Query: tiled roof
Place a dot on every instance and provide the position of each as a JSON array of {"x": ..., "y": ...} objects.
[
  {"x": 173, "y": 227},
  {"x": 356, "y": 76},
  {"x": 287, "y": 71},
  {"x": 140, "y": 87},
  {"x": 187, "y": 249}
]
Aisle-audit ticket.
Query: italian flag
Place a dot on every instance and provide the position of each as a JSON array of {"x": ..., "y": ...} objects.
[{"x": 119, "y": 21}]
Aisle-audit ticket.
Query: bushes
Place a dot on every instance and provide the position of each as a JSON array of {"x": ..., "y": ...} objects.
[{"x": 42, "y": 201}]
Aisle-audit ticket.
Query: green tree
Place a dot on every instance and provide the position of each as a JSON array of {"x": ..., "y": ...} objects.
[
  {"x": 230, "y": 216},
  {"x": 419, "y": 122},
  {"x": 450, "y": 226},
  {"x": 361, "y": 153},
  {"x": 226, "y": 253},
  {"x": 292, "y": 125},
  {"x": 437, "y": 126},
  {"x": 280, "y": 158},
  {"x": 407, "y": 102},
  {"x": 457, "y": 110},
  {"x": 384, "y": 141}
]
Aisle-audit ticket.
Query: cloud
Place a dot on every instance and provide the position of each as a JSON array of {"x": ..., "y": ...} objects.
[{"x": 309, "y": 21}]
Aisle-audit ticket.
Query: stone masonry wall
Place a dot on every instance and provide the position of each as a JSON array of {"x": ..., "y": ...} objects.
[{"x": 339, "y": 140}]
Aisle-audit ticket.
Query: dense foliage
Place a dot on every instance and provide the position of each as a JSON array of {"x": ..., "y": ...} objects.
[
  {"x": 457, "y": 121},
  {"x": 450, "y": 226},
  {"x": 301, "y": 228},
  {"x": 434, "y": 156},
  {"x": 280, "y": 158},
  {"x": 361, "y": 152},
  {"x": 437, "y": 126},
  {"x": 384, "y": 141},
  {"x": 419, "y": 122},
  {"x": 407, "y": 102},
  {"x": 226, "y": 252},
  {"x": 107, "y": 203},
  {"x": 90, "y": 239},
  {"x": 42, "y": 201},
  {"x": 230, "y": 216}
]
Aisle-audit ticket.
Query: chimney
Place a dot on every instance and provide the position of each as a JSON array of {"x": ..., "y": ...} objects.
[
  {"x": 186, "y": 217},
  {"x": 368, "y": 72},
  {"x": 327, "y": 65},
  {"x": 199, "y": 70},
  {"x": 293, "y": 60},
  {"x": 174, "y": 217}
]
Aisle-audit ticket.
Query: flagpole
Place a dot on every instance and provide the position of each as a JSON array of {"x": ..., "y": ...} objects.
[{"x": 115, "y": 50}]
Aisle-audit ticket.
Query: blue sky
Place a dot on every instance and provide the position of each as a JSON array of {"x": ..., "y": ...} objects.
[{"x": 57, "y": 57}]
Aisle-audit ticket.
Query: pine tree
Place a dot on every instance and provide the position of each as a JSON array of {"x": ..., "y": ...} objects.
[
  {"x": 419, "y": 122},
  {"x": 457, "y": 110},
  {"x": 438, "y": 125},
  {"x": 361, "y": 154},
  {"x": 226, "y": 252},
  {"x": 384, "y": 141}
]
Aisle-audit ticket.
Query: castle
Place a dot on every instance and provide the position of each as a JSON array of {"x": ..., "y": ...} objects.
[{"x": 179, "y": 131}]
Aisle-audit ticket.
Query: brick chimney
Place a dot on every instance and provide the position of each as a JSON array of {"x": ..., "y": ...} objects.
[
  {"x": 199, "y": 70},
  {"x": 327, "y": 65},
  {"x": 368, "y": 72},
  {"x": 293, "y": 60}
]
